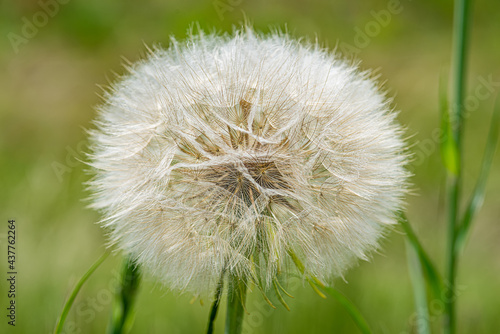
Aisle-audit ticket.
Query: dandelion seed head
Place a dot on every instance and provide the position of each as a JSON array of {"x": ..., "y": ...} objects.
[{"x": 225, "y": 153}]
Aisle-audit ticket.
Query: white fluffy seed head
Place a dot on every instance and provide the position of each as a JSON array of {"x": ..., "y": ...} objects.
[{"x": 229, "y": 153}]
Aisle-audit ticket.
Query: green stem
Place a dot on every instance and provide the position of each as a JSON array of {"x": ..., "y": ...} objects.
[
  {"x": 457, "y": 113},
  {"x": 236, "y": 297},
  {"x": 449, "y": 324},
  {"x": 125, "y": 298},
  {"x": 215, "y": 305},
  {"x": 74, "y": 293},
  {"x": 350, "y": 308},
  {"x": 417, "y": 278}
]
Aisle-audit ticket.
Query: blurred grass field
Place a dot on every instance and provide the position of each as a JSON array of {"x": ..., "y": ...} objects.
[{"x": 49, "y": 87}]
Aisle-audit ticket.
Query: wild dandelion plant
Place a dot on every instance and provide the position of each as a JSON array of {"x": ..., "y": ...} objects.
[{"x": 244, "y": 159}]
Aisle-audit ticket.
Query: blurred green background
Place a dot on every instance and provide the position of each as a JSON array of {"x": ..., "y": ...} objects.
[{"x": 54, "y": 55}]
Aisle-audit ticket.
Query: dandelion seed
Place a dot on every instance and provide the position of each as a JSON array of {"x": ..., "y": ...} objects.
[{"x": 226, "y": 153}]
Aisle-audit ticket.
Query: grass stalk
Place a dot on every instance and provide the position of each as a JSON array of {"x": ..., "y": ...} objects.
[
  {"x": 460, "y": 28},
  {"x": 74, "y": 293},
  {"x": 419, "y": 289}
]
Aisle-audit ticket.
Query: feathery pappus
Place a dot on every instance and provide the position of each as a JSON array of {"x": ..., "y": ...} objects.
[{"x": 228, "y": 153}]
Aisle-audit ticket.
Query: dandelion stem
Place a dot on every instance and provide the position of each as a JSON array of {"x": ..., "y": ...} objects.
[
  {"x": 458, "y": 71},
  {"x": 120, "y": 320},
  {"x": 215, "y": 305},
  {"x": 236, "y": 296}
]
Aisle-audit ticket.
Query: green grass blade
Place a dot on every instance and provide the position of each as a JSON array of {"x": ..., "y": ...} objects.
[
  {"x": 353, "y": 311},
  {"x": 448, "y": 146},
  {"x": 419, "y": 289},
  {"x": 479, "y": 190},
  {"x": 74, "y": 293},
  {"x": 316, "y": 284},
  {"x": 125, "y": 298},
  {"x": 428, "y": 268}
]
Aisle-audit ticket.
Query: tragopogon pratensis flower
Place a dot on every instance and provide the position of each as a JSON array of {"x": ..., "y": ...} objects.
[{"x": 231, "y": 154}]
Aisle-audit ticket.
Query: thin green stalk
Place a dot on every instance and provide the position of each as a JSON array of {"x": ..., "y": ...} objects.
[
  {"x": 350, "y": 308},
  {"x": 428, "y": 268},
  {"x": 461, "y": 21},
  {"x": 236, "y": 296},
  {"x": 125, "y": 298},
  {"x": 451, "y": 258},
  {"x": 477, "y": 197},
  {"x": 215, "y": 305},
  {"x": 343, "y": 300},
  {"x": 74, "y": 293},
  {"x": 419, "y": 289}
]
